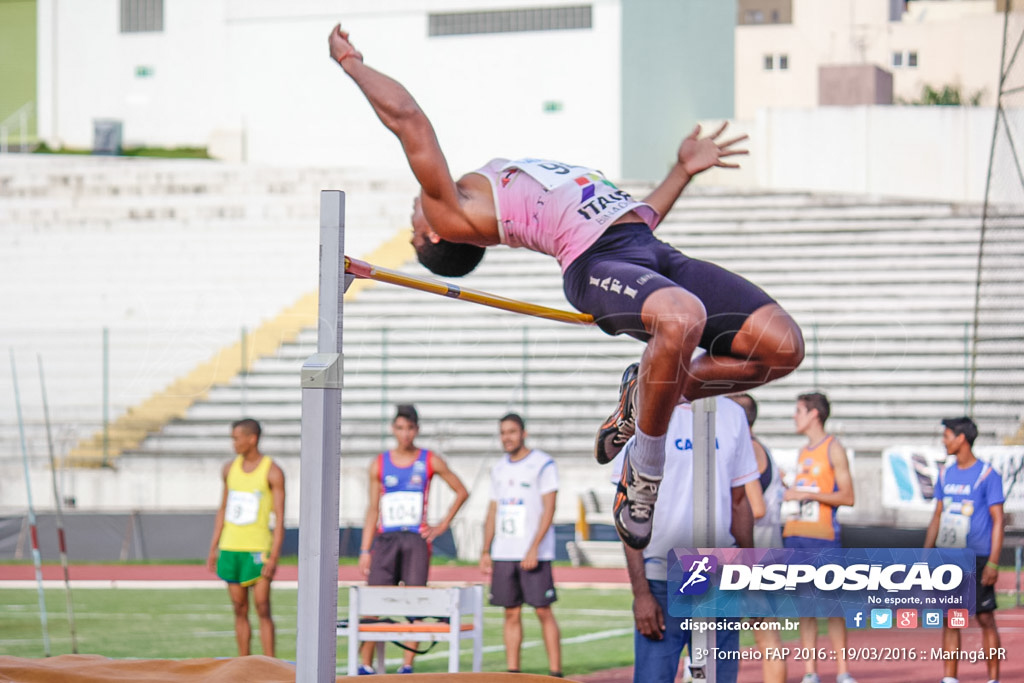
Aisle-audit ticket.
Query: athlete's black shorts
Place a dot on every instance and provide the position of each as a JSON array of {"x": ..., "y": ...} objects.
[
  {"x": 399, "y": 556},
  {"x": 984, "y": 596},
  {"x": 615, "y": 275},
  {"x": 511, "y": 585}
]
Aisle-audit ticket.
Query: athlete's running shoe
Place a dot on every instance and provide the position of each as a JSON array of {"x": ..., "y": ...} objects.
[
  {"x": 633, "y": 508},
  {"x": 621, "y": 424}
]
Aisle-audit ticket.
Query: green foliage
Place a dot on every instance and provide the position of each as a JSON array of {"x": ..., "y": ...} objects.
[
  {"x": 158, "y": 152},
  {"x": 950, "y": 95}
]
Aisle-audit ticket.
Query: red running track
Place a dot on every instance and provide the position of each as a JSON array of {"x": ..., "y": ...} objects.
[{"x": 195, "y": 572}]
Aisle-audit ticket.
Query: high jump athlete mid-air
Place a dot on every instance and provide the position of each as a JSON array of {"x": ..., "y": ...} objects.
[{"x": 613, "y": 267}]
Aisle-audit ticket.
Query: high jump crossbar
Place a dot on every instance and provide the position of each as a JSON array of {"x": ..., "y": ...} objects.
[{"x": 368, "y": 271}]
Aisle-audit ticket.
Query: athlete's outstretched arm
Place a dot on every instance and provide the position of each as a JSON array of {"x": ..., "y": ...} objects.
[
  {"x": 695, "y": 154},
  {"x": 400, "y": 113}
]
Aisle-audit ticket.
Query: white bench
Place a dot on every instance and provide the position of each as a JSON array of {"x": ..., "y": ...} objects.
[{"x": 396, "y": 601}]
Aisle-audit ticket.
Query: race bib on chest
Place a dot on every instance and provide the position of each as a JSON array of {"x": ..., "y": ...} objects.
[
  {"x": 550, "y": 174},
  {"x": 802, "y": 510},
  {"x": 401, "y": 508},
  {"x": 810, "y": 510},
  {"x": 953, "y": 530},
  {"x": 512, "y": 521},
  {"x": 243, "y": 507}
]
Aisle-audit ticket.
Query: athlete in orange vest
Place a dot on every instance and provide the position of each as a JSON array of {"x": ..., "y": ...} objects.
[{"x": 822, "y": 484}]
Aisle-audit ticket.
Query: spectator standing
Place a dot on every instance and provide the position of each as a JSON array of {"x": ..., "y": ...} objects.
[
  {"x": 244, "y": 550},
  {"x": 396, "y": 539},
  {"x": 519, "y": 541},
  {"x": 969, "y": 514},
  {"x": 822, "y": 484}
]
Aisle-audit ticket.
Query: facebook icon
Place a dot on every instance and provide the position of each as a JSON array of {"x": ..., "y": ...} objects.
[{"x": 855, "y": 618}]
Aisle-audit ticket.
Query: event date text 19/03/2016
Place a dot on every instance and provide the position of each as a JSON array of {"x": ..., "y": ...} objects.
[{"x": 856, "y": 653}]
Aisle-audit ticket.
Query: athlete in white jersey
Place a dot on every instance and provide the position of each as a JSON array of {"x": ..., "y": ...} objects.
[
  {"x": 734, "y": 467},
  {"x": 517, "y": 489},
  {"x": 519, "y": 541},
  {"x": 659, "y": 638}
]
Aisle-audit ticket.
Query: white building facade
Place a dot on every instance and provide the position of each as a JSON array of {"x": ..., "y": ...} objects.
[
  {"x": 934, "y": 43},
  {"x": 252, "y": 79},
  {"x": 614, "y": 84}
]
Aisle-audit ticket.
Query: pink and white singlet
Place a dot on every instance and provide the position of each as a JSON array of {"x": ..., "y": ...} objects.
[{"x": 556, "y": 209}]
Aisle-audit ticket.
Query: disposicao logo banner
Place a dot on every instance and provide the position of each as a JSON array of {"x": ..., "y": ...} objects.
[{"x": 833, "y": 582}]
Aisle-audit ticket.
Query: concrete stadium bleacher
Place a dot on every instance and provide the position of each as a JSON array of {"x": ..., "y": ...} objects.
[
  {"x": 884, "y": 291},
  {"x": 173, "y": 257}
]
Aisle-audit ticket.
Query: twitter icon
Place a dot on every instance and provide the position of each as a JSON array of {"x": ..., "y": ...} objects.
[{"x": 881, "y": 618}]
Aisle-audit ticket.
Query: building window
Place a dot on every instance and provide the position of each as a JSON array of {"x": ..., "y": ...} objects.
[
  {"x": 783, "y": 62},
  {"x": 753, "y": 16},
  {"x": 510, "y": 21},
  {"x": 769, "y": 62},
  {"x": 141, "y": 16},
  {"x": 908, "y": 59}
]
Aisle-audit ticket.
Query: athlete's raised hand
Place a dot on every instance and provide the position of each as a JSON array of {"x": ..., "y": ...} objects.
[
  {"x": 341, "y": 46},
  {"x": 698, "y": 154}
]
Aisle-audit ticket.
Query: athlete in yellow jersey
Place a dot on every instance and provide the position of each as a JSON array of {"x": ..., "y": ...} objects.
[
  {"x": 244, "y": 550},
  {"x": 822, "y": 484}
]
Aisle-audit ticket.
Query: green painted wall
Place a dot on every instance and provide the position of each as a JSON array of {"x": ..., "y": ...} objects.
[
  {"x": 677, "y": 68},
  {"x": 17, "y": 61}
]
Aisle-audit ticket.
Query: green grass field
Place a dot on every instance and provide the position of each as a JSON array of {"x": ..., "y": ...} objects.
[
  {"x": 596, "y": 625},
  {"x": 189, "y": 623}
]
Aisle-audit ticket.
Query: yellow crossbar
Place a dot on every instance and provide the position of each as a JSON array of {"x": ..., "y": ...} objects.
[{"x": 364, "y": 270}]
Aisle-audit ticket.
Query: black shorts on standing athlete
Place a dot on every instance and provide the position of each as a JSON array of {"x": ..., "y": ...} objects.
[
  {"x": 511, "y": 585},
  {"x": 984, "y": 596},
  {"x": 399, "y": 557}
]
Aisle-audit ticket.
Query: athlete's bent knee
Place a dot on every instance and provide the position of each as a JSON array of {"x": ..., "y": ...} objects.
[
  {"x": 789, "y": 357},
  {"x": 674, "y": 318},
  {"x": 771, "y": 338}
]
